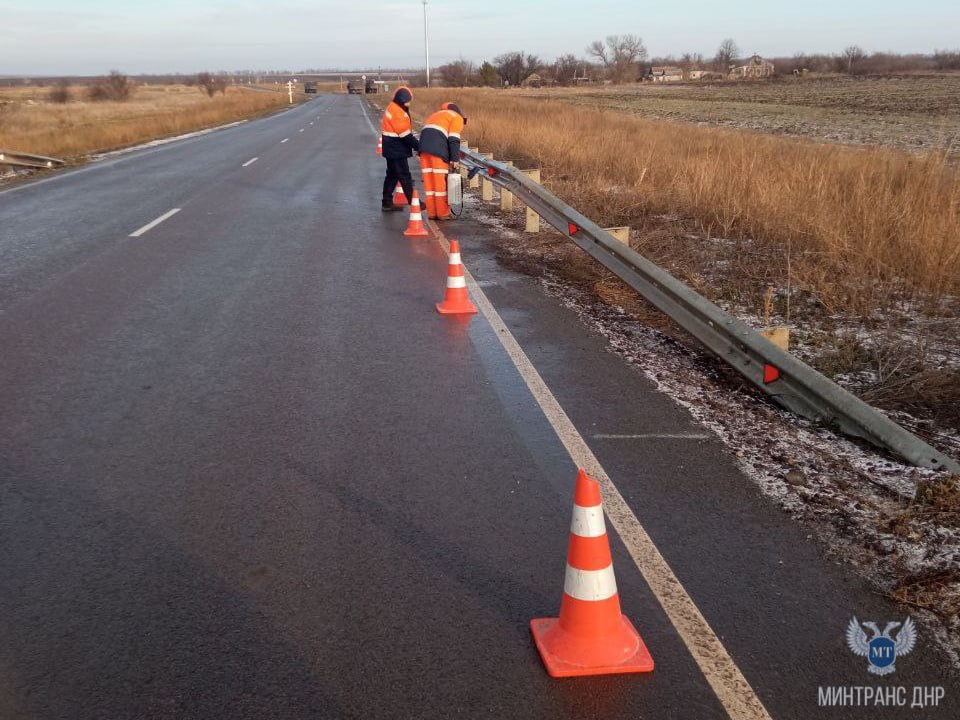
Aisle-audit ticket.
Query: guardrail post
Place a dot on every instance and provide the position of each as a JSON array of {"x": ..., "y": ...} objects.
[
  {"x": 506, "y": 197},
  {"x": 486, "y": 187},
  {"x": 533, "y": 220},
  {"x": 463, "y": 168},
  {"x": 621, "y": 233},
  {"x": 475, "y": 180}
]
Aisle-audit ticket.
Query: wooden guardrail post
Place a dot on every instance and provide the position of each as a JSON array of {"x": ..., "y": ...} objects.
[
  {"x": 533, "y": 220},
  {"x": 506, "y": 197},
  {"x": 475, "y": 180},
  {"x": 620, "y": 233},
  {"x": 486, "y": 187}
]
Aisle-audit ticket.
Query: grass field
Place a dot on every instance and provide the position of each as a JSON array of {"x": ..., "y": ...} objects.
[
  {"x": 910, "y": 113},
  {"x": 30, "y": 123},
  {"x": 861, "y": 245}
]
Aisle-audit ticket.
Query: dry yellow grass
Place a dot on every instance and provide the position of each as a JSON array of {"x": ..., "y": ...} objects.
[
  {"x": 864, "y": 220},
  {"x": 29, "y": 123}
]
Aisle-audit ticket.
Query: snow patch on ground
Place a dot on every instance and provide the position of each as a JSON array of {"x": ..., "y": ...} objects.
[{"x": 859, "y": 504}]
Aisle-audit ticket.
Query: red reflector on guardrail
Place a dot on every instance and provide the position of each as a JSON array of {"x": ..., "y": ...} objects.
[
  {"x": 770, "y": 374},
  {"x": 572, "y": 229}
]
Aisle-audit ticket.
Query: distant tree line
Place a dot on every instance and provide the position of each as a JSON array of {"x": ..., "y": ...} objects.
[{"x": 624, "y": 58}]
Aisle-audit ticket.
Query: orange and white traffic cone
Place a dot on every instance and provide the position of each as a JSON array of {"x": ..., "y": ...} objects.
[
  {"x": 591, "y": 636},
  {"x": 398, "y": 197},
  {"x": 457, "y": 300},
  {"x": 415, "y": 227},
  {"x": 380, "y": 144}
]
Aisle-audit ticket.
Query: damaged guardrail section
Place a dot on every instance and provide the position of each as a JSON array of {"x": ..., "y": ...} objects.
[
  {"x": 8, "y": 157},
  {"x": 788, "y": 381}
]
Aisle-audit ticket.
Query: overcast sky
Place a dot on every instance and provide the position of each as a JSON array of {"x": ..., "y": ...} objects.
[{"x": 145, "y": 36}]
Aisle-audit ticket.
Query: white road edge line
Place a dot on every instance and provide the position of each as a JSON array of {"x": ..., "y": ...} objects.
[
  {"x": 655, "y": 436},
  {"x": 363, "y": 106},
  {"x": 150, "y": 225},
  {"x": 722, "y": 673},
  {"x": 284, "y": 140},
  {"x": 251, "y": 161}
]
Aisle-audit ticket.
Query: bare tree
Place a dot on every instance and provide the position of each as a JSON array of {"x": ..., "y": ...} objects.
[
  {"x": 458, "y": 73},
  {"x": 851, "y": 56},
  {"x": 60, "y": 93},
  {"x": 212, "y": 84},
  {"x": 116, "y": 86},
  {"x": 510, "y": 67},
  {"x": 564, "y": 69},
  {"x": 726, "y": 54},
  {"x": 619, "y": 54}
]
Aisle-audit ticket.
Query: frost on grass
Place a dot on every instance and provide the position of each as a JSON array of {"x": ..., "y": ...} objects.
[{"x": 897, "y": 524}]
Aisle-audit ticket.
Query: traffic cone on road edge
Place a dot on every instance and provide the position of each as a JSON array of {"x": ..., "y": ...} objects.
[
  {"x": 380, "y": 144},
  {"x": 398, "y": 197},
  {"x": 457, "y": 300},
  {"x": 415, "y": 227},
  {"x": 591, "y": 636}
]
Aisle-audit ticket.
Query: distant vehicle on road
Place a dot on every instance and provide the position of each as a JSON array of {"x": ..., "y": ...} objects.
[
  {"x": 359, "y": 87},
  {"x": 310, "y": 88}
]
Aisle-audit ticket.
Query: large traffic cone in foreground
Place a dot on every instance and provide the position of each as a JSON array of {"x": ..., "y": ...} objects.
[
  {"x": 398, "y": 197},
  {"x": 457, "y": 300},
  {"x": 415, "y": 227},
  {"x": 380, "y": 144},
  {"x": 591, "y": 636}
]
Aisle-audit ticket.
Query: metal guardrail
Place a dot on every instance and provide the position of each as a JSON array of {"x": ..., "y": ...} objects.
[
  {"x": 788, "y": 381},
  {"x": 8, "y": 157}
]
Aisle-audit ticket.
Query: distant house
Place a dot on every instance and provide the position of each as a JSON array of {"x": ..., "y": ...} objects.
[
  {"x": 665, "y": 73},
  {"x": 532, "y": 80},
  {"x": 755, "y": 68},
  {"x": 705, "y": 75}
]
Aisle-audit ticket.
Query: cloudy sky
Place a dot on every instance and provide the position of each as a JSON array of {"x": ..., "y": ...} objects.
[{"x": 145, "y": 36}]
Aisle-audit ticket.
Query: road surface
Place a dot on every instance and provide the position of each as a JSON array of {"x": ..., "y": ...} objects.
[{"x": 247, "y": 471}]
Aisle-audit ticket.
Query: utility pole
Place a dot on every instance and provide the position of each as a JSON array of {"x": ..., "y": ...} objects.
[{"x": 426, "y": 41}]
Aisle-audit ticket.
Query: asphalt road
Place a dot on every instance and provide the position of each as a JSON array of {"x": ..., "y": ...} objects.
[{"x": 246, "y": 470}]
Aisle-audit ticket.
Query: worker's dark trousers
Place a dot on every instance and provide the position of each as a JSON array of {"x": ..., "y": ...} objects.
[{"x": 397, "y": 170}]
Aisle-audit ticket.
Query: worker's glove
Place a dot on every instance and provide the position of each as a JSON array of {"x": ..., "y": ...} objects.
[{"x": 454, "y": 167}]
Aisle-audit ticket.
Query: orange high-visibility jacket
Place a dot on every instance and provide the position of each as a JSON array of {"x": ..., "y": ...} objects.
[
  {"x": 397, "y": 128},
  {"x": 441, "y": 133}
]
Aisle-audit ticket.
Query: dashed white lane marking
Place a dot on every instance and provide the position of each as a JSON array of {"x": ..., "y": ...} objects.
[
  {"x": 150, "y": 225},
  {"x": 284, "y": 140},
  {"x": 301, "y": 129},
  {"x": 722, "y": 673},
  {"x": 655, "y": 436},
  {"x": 311, "y": 123},
  {"x": 251, "y": 161}
]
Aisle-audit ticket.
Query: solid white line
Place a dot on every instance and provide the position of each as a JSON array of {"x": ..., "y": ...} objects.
[
  {"x": 720, "y": 670},
  {"x": 151, "y": 225},
  {"x": 251, "y": 161},
  {"x": 655, "y": 436},
  {"x": 284, "y": 140},
  {"x": 363, "y": 106}
]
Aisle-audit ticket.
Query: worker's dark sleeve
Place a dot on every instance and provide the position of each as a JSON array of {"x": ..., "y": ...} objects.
[
  {"x": 454, "y": 149},
  {"x": 412, "y": 142}
]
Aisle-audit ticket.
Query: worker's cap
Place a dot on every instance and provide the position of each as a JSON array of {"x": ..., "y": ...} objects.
[
  {"x": 455, "y": 108},
  {"x": 403, "y": 95}
]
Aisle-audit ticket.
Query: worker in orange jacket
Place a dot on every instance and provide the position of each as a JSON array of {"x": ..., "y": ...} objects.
[
  {"x": 439, "y": 154},
  {"x": 399, "y": 144}
]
